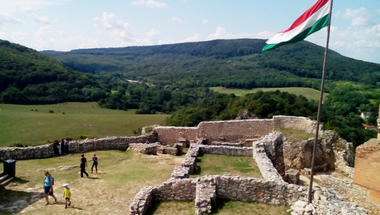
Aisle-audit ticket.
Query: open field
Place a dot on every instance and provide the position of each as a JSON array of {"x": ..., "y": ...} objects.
[
  {"x": 121, "y": 175},
  {"x": 38, "y": 124},
  {"x": 309, "y": 93}
]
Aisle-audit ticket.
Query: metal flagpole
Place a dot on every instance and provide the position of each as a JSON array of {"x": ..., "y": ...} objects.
[{"x": 320, "y": 105}]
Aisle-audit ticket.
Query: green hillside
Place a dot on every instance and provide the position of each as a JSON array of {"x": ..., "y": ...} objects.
[
  {"x": 235, "y": 63},
  {"x": 27, "y": 76}
]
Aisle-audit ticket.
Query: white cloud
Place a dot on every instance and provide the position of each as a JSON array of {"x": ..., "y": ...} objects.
[
  {"x": 150, "y": 4},
  {"x": 220, "y": 33},
  {"x": 109, "y": 24},
  {"x": 358, "y": 17},
  {"x": 7, "y": 18},
  {"x": 196, "y": 37},
  {"x": 204, "y": 21},
  {"x": 177, "y": 20},
  {"x": 42, "y": 20},
  {"x": 153, "y": 36},
  {"x": 15, "y": 6}
]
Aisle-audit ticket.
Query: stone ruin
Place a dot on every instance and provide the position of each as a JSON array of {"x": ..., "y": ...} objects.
[{"x": 280, "y": 161}]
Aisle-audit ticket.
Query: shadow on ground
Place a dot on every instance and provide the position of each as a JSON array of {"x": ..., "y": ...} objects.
[{"x": 13, "y": 201}]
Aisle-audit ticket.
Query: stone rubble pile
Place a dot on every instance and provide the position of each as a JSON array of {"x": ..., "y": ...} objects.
[
  {"x": 328, "y": 201},
  {"x": 148, "y": 149},
  {"x": 205, "y": 198}
]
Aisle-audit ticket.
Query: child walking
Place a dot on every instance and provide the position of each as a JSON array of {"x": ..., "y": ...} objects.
[{"x": 67, "y": 194}]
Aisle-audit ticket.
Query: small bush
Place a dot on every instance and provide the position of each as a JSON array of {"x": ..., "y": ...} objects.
[
  {"x": 18, "y": 145},
  {"x": 51, "y": 111}
]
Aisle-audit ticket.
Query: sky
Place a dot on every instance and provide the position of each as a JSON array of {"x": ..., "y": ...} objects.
[{"x": 64, "y": 25}]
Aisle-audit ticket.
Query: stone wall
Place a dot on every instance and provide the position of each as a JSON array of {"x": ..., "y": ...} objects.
[
  {"x": 45, "y": 151},
  {"x": 233, "y": 130},
  {"x": 348, "y": 191},
  {"x": 226, "y": 150},
  {"x": 176, "y": 190},
  {"x": 265, "y": 164},
  {"x": 295, "y": 123},
  {"x": 171, "y": 134},
  {"x": 367, "y": 165}
]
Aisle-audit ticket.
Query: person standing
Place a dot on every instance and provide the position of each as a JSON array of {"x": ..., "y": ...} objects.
[
  {"x": 55, "y": 147},
  {"x": 48, "y": 187},
  {"x": 94, "y": 164},
  {"x": 67, "y": 146},
  {"x": 67, "y": 194},
  {"x": 83, "y": 164},
  {"x": 63, "y": 149}
]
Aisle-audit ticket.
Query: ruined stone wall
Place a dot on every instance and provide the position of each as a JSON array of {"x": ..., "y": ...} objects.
[
  {"x": 296, "y": 123},
  {"x": 171, "y": 134},
  {"x": 367, "y": 163},
  {"x": 226, "y": 150},
  {"x": 178, "y": 190},
  {"x": 349, "y": 191},
  {"x": 22, "y": 153},
  {"x": 261, "y": 153},
  {"x": 234, "y": 130},
  {"x": 45, "y": 151}
]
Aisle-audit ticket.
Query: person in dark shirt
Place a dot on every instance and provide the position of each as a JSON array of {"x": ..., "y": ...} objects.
[
  {"x": 94, "y": 164},
  {"x": 83, "y": 164}
]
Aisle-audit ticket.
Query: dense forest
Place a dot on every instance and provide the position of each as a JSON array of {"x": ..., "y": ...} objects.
[
  {"x": 176, "y": 79},
  {"x": 29, "y": 77},
  {"x": 230, "y": 63}
]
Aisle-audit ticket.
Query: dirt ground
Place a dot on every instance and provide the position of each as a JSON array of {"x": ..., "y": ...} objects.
[{"x": 108, "y": 192}]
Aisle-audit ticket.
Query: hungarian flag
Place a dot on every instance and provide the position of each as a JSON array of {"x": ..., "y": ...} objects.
[{"x": 312, "y": 20}]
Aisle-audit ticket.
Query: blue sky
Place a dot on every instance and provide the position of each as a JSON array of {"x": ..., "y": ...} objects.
[{"x": 64, "y": 25}]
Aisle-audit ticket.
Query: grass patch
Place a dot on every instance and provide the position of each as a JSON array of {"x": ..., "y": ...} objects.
[
  {"x": 296, "y": 135},
  {"x": 172, "y": 207},
  {"x": 222, "y": 164},
  {"x": 309, "y": 93},
  {"x": 226, "y": 207},
  {"x": 20, "y": 125}
]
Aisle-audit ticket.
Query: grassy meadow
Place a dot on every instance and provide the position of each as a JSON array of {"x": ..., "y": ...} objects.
[
  {"x": 309, "y": 93},
  {"x": 210, "y": 164},
  {"x": 39, "y": 124}
]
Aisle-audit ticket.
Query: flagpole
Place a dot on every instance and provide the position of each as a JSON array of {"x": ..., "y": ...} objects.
[{"x": 320, "y": 106}]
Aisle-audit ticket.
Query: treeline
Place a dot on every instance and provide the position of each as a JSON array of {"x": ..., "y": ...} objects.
[{"x": 340, "y": 112}]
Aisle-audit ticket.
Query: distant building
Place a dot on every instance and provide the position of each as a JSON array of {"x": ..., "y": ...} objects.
[
  {"x": 365, "y": 115},
  {"x": 369, "y": 127}
]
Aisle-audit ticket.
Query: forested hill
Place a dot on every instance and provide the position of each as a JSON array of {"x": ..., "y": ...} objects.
[
  {"x": 233, "y": 63},
  {"x": 27, "y": 76}
]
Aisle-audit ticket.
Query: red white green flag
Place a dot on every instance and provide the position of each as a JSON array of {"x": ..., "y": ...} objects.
[{"x": 311, "y": 21}]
